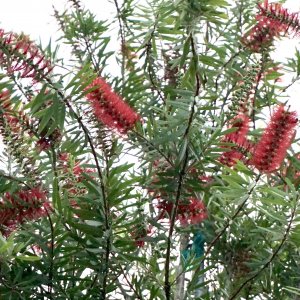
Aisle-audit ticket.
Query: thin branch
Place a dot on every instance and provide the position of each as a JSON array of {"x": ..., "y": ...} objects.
[
  {"x": 136, "y": 293},
  {"x": 284, "y": 89},
  {"x": 275, "y": 253},
  {"x": 123, "y": 41},
  {"x": 152, "y": 146},
  {"x": 228, "y": 222},
  {"x": 149, "y": 64},
  {"x": 167, "y": 285},
  {"x": 99, "y": 171},
  {"x": 51, "y": 267}
]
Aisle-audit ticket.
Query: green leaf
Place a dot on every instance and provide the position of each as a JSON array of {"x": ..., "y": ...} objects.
[
  {"x": 28, "y": 257},
  {"x": 47, "y": 117},
  {"x": 55, "y": 195}
]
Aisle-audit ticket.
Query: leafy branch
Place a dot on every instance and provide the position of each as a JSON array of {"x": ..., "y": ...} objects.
[{"x": 273, "y": 256}]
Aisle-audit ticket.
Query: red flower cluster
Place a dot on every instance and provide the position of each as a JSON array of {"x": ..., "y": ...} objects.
[
  {"x": 43, "y": 144},
  {"x": 25, "y": 205},
  {"x": 276, "y": 139},
  {"x": 191, "y": 211},
  {"x": 110, "y": 108},
  {"x": 279, "y": 16},
  {"x": 261, "y": 35},
  {"x": 19, "y": 54},
  {"x": 241, "y": 123},
  {"x": 272, "y": 20}
]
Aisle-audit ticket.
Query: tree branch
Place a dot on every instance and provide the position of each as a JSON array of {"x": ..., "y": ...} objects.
[
  {"x": 275, "y": 253},
  {"x": 227, "y": 224},
  {"x": 167, "y": 286}
]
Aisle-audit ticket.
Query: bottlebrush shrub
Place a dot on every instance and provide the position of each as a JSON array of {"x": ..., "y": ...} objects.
[
  {"x": 20, "y": 55},
  {"x": 110, "y": 178},
  {"x": 110, "y": 108},
  {"x": 22, "y": 206},
  {"x": 276, "y": 139}
]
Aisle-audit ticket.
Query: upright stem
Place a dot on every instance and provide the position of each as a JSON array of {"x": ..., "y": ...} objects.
[
  {"x": 167, "y": 286},
  {"x": 184, "y": 240}
]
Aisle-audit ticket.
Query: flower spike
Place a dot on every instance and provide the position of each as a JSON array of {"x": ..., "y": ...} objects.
[
  {"x": 191, "y": 211},
  {"x": 276, "y": 139},
  {"x": 110, "y": 108},
  {"x": 19, "y": 54},
  {"x": 279, "y": 16},
  {"x": 241, "y": 123}
]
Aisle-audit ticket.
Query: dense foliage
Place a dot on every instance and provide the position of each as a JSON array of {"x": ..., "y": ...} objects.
[{"x": 177, "y": 179}]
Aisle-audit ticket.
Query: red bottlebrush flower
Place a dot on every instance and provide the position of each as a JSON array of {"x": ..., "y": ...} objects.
[
  {"x": 276, "y": 139},
  {"x": 110, "y": 108},
  {"x": 241, "y": 122},
  {"x": 195, "y": 212},
  {"x": 25, "y": 205},
  {"x": 192, "y": 211},
  {"x": 261, "y": 35},
  {"x": 279, "y": 16},
  {"x": 21, "y": 55},
  {"x": 273, "y": 20},
  {"x": 43, "y": 144},
  {"x": 230, "y": 158}
]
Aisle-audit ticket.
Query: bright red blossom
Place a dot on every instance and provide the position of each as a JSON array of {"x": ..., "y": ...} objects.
[
  {"x": 22, "y": 56},
  {"x": 109, "y": 108},
  {"x": 261, "y": 35},
  {"x": 279, "y": 16},
  {"x": 272, "y": 21},
  {"x": 241, "y": 123},
  {"x": 238, "y": 137},
  {"x": 139, "y": 233},
  {"x": 191, "y": 211},
  {"x": 25, "y": 205},
  {"x": 276, "y": 139}
]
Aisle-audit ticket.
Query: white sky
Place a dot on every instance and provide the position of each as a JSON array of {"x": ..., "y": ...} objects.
[{"x": 35, "y": 17}]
